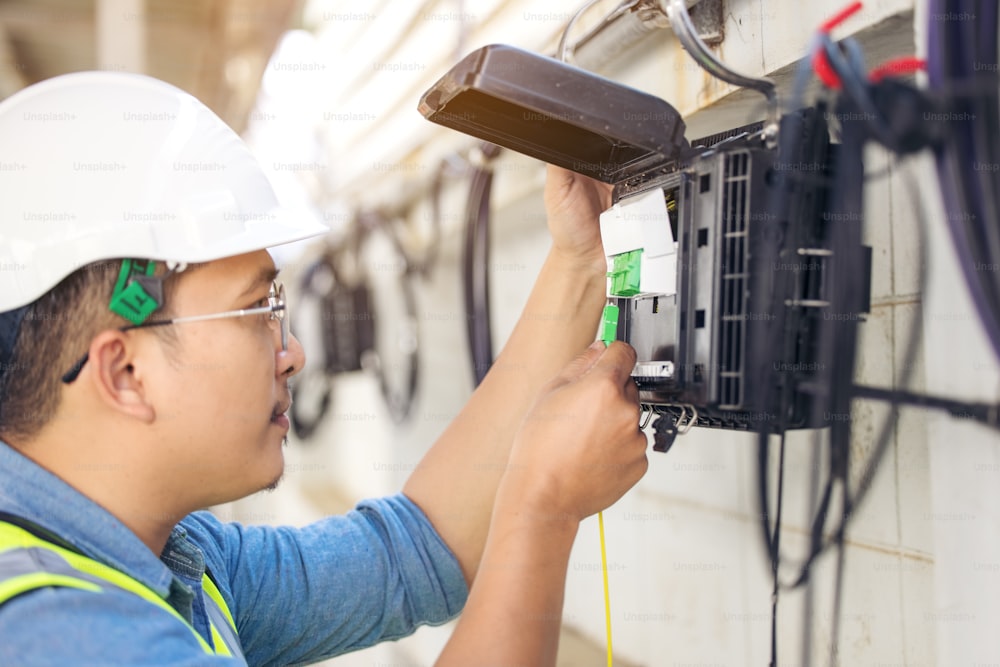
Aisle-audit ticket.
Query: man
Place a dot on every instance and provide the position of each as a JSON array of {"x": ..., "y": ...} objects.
[{"x": 144, "y": 368}]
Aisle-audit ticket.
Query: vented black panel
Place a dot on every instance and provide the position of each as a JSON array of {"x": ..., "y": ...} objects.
[{"x": 734, "y": 275}]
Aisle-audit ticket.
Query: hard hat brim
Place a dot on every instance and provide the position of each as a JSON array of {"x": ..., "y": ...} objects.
[{"x": 279, "y": 226}]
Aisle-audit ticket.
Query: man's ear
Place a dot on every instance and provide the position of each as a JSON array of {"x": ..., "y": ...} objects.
[{"x": 115, "y": 378}]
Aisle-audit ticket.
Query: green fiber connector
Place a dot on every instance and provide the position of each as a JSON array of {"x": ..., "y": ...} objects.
[
  {"x": 130, "y": 299},
  {"x": 609, "y": 324},
  {"x": 133, "y": 303},
  {"x": 625, "y": 273}
]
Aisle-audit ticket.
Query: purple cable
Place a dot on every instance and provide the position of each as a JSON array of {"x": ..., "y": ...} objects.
[{"x": 941, "y": 71}]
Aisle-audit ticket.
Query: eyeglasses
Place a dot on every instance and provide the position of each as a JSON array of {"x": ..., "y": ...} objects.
[{"x": 276, "y": 307}]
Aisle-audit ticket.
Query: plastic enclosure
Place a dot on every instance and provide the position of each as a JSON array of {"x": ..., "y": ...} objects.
[{"x": 555, "y": 112}]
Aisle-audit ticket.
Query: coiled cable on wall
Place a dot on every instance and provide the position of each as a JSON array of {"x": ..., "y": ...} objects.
[
  {"x": 348, "y": 327},
  {"x": 398, "y": 397},
  {"x": 475, "y": 262}
]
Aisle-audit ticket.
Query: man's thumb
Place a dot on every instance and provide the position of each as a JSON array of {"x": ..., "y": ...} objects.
[{"x": 582, "y": 363}]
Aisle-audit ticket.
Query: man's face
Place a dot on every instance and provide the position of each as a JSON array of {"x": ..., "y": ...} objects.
[{"x": 224, "y": 385}]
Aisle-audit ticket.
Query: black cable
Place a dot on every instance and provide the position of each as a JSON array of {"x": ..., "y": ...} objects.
[
  {"x": 838, "y": 597},
  {"x": 837, "y": 338},
  {"x": 803, "y": 136},
  {"x": 763, "y": 448},
  {"x": 305, "y": 423},
  {"x": 816, "y": 531},
  {"x": 789, "y": 149},
  {"x": 850, "y": 69},
  {"x": 766, "y": 283},
  {"x": 837, "y": 333},
  {"x": 476, "y": 284},
  {"x": 852, "y": 502},
  {"x": 856, "y": 88},
  {"x": 399, "y": 400},
  {"x": 953, "y": 49},
  {"x": 860, "y": 104},
  {"x": 987, "y": 131},
  {"x": 347, "y": 327},
  {"x": 423, "y": 266},
  {"x": 809, "y": 602},
  {"x": 883, "y": 439},
  {"x": 984, "y": 139},
  {"x": 776, "y": 541},
  {"x": 986, "y": 413},
  {"x": 832, "y": 347},
  {"x": 437, "y": 189}
]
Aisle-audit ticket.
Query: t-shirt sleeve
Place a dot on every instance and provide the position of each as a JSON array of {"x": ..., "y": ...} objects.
[{"x": 299, "y": 595}]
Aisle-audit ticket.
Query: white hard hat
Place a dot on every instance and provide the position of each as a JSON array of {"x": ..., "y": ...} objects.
[{"x": 102, "y": 165}]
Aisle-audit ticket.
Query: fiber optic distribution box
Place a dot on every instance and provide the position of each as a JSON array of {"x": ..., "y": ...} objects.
[{"x": 717, "y": 248}]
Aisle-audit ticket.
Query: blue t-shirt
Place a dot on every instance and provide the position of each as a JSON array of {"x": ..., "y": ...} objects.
[{"x": 297, "y": 595}]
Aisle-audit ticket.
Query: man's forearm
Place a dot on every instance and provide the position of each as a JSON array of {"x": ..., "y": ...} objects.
[
  {"x": 456, "y": 482},
  {"x": 514, "y": 611}
]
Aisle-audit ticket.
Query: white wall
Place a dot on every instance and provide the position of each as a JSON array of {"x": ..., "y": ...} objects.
[{"x": 690, "y": 584}]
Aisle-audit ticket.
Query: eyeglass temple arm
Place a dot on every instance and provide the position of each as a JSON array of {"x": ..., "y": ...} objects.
[{"x": 74, "y": 372}]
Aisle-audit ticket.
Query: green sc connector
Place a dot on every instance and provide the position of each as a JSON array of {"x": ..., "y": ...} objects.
[
  {"x": 625, "y": 272},
  {"x": 130, "y": 299},
  {"x": 609, "y": 324}
]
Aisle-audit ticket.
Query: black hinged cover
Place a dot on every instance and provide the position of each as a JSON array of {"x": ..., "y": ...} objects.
[{"x": 556, "y": 112}]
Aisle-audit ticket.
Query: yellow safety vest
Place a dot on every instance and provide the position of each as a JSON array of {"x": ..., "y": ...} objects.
[{"x": 28, "y": 562}]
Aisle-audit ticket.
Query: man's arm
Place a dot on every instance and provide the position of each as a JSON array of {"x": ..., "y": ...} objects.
[
  {"x": 457, "y": 480},
  {"x": 299, "y": 595},
  {"x": 578, "y": 451}
]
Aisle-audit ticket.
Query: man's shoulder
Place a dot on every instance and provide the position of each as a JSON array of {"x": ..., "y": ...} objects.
[{"x": 202, "y": 528}]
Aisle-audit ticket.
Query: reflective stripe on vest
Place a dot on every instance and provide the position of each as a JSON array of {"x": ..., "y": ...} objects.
[{"x": 28, "y": 562}]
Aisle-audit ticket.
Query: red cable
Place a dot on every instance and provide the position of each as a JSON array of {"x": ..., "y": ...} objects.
[
  {"x": 840, "y": 17},
  {"x": 897, "y": 67},
  {"x": 824, "y": 71}
]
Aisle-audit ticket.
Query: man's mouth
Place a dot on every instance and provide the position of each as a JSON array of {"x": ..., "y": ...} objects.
[{"x": 278, "y": 416}]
